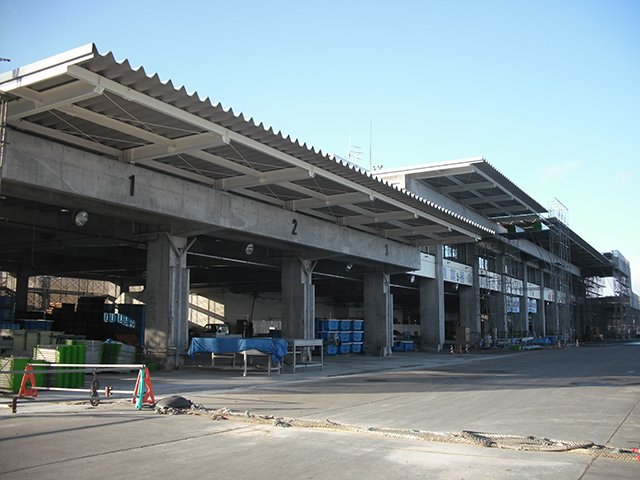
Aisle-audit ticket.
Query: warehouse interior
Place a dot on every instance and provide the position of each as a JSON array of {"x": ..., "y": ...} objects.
[{"x": 118, "y": 186}]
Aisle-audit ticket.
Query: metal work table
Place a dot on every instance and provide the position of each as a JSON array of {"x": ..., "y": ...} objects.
[
  {"x": 303, "y": 347},
  {"x": 273, "y": 349}
]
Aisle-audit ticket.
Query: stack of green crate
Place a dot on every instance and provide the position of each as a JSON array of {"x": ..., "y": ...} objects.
[
  {"x": 110, "y": 352},
  {"x": 77, "y": 354},
  {"x": 41, "y": 378},
  {"x": 74, "y": 352}
]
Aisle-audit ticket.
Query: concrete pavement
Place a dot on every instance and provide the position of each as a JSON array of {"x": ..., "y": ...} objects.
[{"x": 589, "y": 393}]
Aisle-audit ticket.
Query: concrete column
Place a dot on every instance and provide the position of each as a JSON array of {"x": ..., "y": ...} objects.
[
  {"x": 524, "y": 307},
  {"x": 501, "y": 319},
  {"x": 167, "y": 300},
  {"x": 432, "y": 307},
  {"x": 298, "y": 299},
  {"x": 470, "y": 299},
  {"x": 378, "y": 314},
  {"x": 22, "y": 293},
  {"x": 542, "y": 310},
  {"x": 556, "y": 313}
]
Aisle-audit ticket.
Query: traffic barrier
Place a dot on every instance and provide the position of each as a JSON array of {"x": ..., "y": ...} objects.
[
  {"x": 142, "y": 382},
  {"x": 141, "y": 394},
  {"x": 451, "y": 350}
]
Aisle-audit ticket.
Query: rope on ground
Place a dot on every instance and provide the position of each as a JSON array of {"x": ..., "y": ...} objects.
[{"x": 467, "y": 437}]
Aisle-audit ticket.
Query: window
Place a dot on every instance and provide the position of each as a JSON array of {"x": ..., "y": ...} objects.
[
  {"x": 450, "y": 252},
  {"x": 483, "y": 263}
]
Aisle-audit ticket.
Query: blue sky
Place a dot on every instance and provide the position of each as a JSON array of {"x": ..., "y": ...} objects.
[{"x": 547, "y": 91}]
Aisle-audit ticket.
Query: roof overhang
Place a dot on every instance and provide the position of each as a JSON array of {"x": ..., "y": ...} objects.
[
  {"x": 475, "y": 184},
  {"x": 93, "y": 102}
]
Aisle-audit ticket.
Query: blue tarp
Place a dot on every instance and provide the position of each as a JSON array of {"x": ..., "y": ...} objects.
[{"x": 276, "y": 347}]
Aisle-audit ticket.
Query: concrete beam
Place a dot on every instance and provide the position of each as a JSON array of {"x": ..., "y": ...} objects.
[
  {"x": 43, "y": 164},
  {"x": 426, "y": 192}
]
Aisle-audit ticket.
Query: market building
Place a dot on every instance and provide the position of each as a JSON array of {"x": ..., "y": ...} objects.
[{"x": 110, "y": 175}]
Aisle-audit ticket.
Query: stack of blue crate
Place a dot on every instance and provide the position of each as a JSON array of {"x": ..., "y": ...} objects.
[
  {"x": 341, "y": 336},
  {"x": 329, "y": 331},
  {"x": 6, "y": 312}
]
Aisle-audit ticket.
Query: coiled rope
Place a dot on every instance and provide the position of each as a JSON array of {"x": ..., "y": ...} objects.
[{"x": 489, "y": 440}]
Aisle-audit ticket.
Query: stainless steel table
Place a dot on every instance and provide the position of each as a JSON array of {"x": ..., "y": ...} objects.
[{"x": 303, "y": 347}]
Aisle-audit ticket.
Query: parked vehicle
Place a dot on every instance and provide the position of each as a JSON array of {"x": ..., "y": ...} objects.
[{"x": 215, "y": 330}]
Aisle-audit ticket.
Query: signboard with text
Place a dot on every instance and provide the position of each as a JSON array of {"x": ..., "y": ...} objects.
[{"x": 457, "y": 273}]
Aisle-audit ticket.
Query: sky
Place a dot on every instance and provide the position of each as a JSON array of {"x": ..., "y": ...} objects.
[{"x": 548, "y": 92}]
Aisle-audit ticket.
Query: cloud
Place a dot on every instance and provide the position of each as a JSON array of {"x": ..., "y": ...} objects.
[{"x": 558, "y": 173}]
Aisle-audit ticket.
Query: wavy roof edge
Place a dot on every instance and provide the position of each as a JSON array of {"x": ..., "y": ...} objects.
[
  {"x": 481, "y": 164},
  {"x": 90, "y": 57}
]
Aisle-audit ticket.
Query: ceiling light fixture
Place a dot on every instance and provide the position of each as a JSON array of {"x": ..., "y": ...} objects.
[
  {"x": 249, "y": 248},
  {"x": 81, "y": 218},
  {"x": 348, "y": 267}
]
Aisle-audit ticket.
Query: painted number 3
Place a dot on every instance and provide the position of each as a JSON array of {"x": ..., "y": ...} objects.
[{"x": 294, "y": 230}]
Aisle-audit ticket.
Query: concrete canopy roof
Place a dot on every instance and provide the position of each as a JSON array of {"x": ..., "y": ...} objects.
[
  {"x": 475, "y": 184},
  {"x": 93, "y": 102}
]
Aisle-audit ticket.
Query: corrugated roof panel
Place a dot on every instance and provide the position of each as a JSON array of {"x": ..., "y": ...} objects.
[
  {"x": 171, "y": 127},
  {"x": 335, "y": 211},
  {"x": 275, "y": 191}
]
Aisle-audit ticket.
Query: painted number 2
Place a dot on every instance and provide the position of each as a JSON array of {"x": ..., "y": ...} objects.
[{"x": 294, "y": 230}]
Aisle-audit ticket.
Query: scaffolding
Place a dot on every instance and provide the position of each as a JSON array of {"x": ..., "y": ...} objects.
[
  {"x": 3, "y": 130},
  {"x": 45, "y": 291},
  {"x": 500, "y": 275},
  {"x": 593, "y": 287},
  {"x": 561, "y": 277},
  {"x": 621, "y": 320},
  {"x": 612, "y": 306}
]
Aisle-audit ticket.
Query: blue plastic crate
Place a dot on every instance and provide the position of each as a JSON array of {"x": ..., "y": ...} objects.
[
  {"x": 357, "y": 347},
  {"x": 332, "y": 349},
  {"x": 6, "y": 301},
  {"x": 345, "y": 348},
  {"x": 325, "y": 335},
  {"x": 345, "y": 336},
  {"x": 407, "y": 346},
  {"x": 6, "y": 314},
  {"x": 357, "y": 325},
  {"x": 328, "y": 325},
  {"x": 345, "y": 324},
  {"x": 44, "y": 325},
  {"x": 356, "y": 336}
]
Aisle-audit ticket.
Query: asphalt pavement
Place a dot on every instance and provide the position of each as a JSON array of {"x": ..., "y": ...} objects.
[{"x": 585, "y": 394}]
